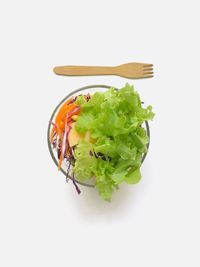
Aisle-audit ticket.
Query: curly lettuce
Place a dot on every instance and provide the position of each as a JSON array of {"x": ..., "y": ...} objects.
[{"x": 113, "y": 155}]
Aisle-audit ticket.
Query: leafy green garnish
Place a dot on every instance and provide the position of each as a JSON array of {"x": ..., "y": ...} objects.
[{"x": 114, "y": 120}]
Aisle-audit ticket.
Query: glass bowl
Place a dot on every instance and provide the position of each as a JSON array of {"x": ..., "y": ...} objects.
[{"x": 68, "y": 172}]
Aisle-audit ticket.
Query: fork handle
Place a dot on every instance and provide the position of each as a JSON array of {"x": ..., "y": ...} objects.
[{"x": 84, "y": 70}]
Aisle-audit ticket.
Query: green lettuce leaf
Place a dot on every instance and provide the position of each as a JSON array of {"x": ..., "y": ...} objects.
[
  {"x": 133, "y": 176},
  {"x": 115, "y": 121}
]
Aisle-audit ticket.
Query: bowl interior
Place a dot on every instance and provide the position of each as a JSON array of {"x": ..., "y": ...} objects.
[{"x": 66, "y": 169}]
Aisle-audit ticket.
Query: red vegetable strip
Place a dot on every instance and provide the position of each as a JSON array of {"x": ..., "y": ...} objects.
[
  {"x": 61, "y": 127},
  {"x": 60, "y": 161},
  {"x": 76, "y": 111},
  {"x": 76, "y": 186},
  {"x": 53, "y": 131},
  {"x": 64, "y": 141}
]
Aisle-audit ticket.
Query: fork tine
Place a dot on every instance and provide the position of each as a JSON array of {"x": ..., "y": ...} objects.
[
  {"x": 148, "y": 76},
  {"x": 148, "y": 73},
  {"x": 147, "y": 65},
  {"x": 148, "y": 69}
]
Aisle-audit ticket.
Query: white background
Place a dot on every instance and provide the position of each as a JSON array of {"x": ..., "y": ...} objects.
[{"x": 43, "y": 222}]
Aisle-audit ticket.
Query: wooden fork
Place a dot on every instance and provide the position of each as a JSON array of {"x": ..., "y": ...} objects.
[{"x": 129, "y": 70}]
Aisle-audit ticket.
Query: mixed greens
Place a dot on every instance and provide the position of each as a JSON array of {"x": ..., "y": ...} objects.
[{"x": 102, "y": 136}]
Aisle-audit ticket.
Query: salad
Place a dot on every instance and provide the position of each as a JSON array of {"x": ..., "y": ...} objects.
[{"x": 102, "y": 138}]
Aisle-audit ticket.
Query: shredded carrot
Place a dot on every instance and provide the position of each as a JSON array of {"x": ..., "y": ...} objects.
[
  {"x": 61, "y": 117},
  {"x": 59, "y": 132},
  {"x": 63, "y": 109},
  {"x": 66, "y": 104},
  {"x": 53, "y": 131},
  {"x": 75, "y": 111},
  {"x": 62, "y": 120}
]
